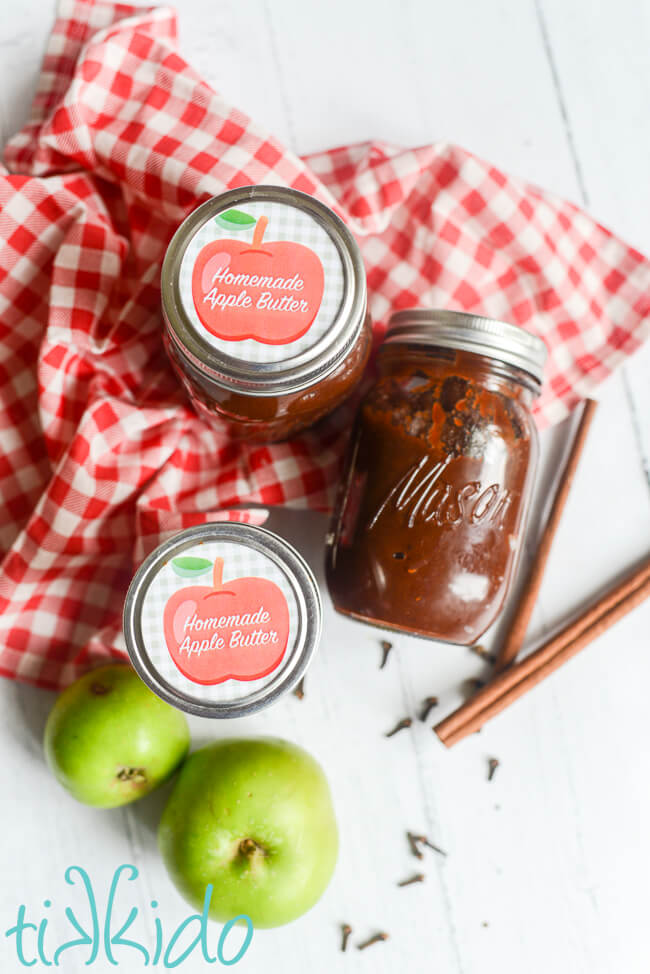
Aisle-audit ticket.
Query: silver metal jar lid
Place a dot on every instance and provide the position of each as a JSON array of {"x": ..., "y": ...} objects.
[
  {"x": 222, "y": 619},
  {"x": 470, "y": 333},
  {"x": 287, "y": 332}
]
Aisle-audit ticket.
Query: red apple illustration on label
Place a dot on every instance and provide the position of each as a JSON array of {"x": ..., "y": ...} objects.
[
  {"x": 269, "y": 291},
  {"x": 237, "y": 630}
]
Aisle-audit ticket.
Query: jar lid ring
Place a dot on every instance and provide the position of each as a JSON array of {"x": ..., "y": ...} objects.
[{"x": 470, "y": 333}]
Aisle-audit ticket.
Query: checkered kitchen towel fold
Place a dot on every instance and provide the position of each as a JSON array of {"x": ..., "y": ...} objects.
[{"x": 99, "y": 453}]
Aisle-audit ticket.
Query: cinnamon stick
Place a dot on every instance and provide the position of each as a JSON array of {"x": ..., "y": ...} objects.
[
  {"x": 514, "y": 682},
  {"x": 517, "y": 632}
]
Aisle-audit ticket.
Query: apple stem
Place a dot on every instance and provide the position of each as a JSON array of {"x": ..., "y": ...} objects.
[
  {"x": 137, "y": 776},
  {"x": 258, "y": 233},
  {"x": 249, "y": 847},
  {"x": 217, "y": 574}
]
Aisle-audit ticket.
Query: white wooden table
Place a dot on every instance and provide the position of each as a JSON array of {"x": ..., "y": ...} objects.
[{"x": 548, "y": 864}]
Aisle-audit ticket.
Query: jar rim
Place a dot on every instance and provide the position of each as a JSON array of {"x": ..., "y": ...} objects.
[
  {"x": 459, "y": 330},
  {"x": 299, "y": 371}
]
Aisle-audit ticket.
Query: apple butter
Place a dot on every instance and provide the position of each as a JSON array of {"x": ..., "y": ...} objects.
[
  {"x": 433, "y": 502},
  {"x": 265, "y": 308}
]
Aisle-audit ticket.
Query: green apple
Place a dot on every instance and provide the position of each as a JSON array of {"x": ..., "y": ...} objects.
[
  {"x": 109, "y": 740},
  {"x": 255, "y": 819}
]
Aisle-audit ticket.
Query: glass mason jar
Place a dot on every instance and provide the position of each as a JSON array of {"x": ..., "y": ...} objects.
[
  {"x": 265, "y": 308},
  {"x": 433, "y": 501}
]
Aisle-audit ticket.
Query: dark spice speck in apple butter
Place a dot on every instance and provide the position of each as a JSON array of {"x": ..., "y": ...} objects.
[{"x": 428, "y": 519}]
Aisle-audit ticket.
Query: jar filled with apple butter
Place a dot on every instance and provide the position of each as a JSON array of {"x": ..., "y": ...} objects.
[
  {"x": 265, "y": 308},
  {"x": 433, "y": 502},
  {"x": 222, "y": 619}
]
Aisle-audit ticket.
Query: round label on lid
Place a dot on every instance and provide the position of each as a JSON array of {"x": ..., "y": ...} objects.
[
  {"x": 222, "y": 619},
  {"x": 261, "y": 281}
]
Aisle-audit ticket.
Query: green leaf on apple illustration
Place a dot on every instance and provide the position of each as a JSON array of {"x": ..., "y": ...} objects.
[
  {"x": 235, "y": 220},
  {"x": 188, "y": 567}
]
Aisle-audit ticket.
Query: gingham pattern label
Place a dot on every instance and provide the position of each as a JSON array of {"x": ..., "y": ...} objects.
[
  {"x": 100, "y": 454},
  {"x": 309, "y": 306},
  {"x": 173, "y": 601}
]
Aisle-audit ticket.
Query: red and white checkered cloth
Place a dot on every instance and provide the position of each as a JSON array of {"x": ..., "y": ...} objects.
[{"x": 99, "y": 452}]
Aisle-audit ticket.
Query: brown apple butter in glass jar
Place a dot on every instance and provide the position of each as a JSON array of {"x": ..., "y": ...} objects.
[
  {"x": 434, "y": 498},
  {"x": 264, "y": 301}
]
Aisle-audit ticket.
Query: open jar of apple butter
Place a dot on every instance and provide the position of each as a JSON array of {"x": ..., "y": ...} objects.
[
  {"x": 265, "y": 308},
  {"x": 434, "y": 498}
]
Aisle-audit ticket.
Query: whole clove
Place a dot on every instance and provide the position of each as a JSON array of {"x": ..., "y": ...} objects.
[
  {"x": 415, "y": 848},
  {"x": 493, "y": 764},
  {"x": 415, "y": 841},
  {"x": 400, "y": 725},
  {"x": 430, "y": 845},
  {"x": 376, "y": 939},
  {"x": 346, "y": 930},
  {"x": 427, "y": 706},
  {"x": 474, "y": 683},
  {"x": 417, "y": 878},
  {"x": 385, "y": 649},
  {"x": 481, "y": 651}
]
